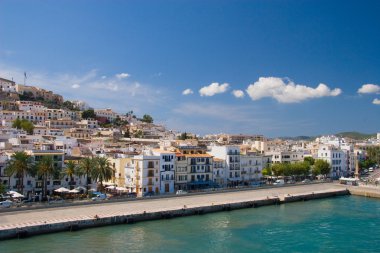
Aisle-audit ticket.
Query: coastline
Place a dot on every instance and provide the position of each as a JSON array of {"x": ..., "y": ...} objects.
[{"x": 73, "y": 218}]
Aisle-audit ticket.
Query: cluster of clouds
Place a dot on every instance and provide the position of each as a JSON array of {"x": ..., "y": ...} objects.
[
  {"x": 281, "y": 89},
  {"x": 117, "y": 90},
  {"x": 370, "y": 89}
]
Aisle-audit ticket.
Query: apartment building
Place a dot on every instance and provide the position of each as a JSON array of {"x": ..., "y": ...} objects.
[
  {"x": 231, "y": 155},
  {"x": 167, "y": 170},
  {"x": 336, "y": 157},
  {"x": 142, "y": 175}
]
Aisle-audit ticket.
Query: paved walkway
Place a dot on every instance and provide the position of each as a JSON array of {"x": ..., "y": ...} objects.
[{"x": 74, "y": 213}]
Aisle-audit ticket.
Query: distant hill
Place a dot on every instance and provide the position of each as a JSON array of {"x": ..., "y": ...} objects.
[
  {"x": 355, "y": 135},
  {"x": 298, "y": 138}
]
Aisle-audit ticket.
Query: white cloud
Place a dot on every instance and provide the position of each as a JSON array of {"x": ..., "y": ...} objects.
[
  {"x": 376, "y": 101},
  {"x": 238, "y": 93},
  {"x": 286, "y": 91},
  {"x": 213, "y": 89},
  {"x": 104, "y": 77},
  {"x": 187, "y": 92},
  {"x": 369, "y": 88},
  {"x": 75, "y": 86},
  {"x": 123, "y": 75}
]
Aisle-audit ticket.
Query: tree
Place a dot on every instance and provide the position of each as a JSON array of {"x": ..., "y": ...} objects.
[
  {"x": 278, "y": 169},
  {"x": 45, "y": 168},
  {"x": 70, "y": 171},
  {"x": 184, "y": 136},
  {"x": 367, "y": 163},
  {"x": 19, "y": 165},
  {"x": 267, "y": 171},
  {"x": 102, "y": 171},
  {"x": 85, "y": 168},
  {"x": 69, "y": 105},
  {"x": 24, "y": 125},
  {"x": 373, "y": 154},
  {"x": 88, "y": 114},
  {"x": 2, "y": 188},
  {"x": 309, "y": 159},
  {"x": 322, "y": 166},
  {"x": 147, "y": 118}
]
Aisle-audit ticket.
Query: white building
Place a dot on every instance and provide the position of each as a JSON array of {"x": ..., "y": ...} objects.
[
  {"x": 219, "y": 173},
  {"x": 286, "y": 156},
  {"x": 336, "y": 158},
  {"x": 167, "y": 170},
  {"x": 7, "y": 85},
  {"x": 251, "y": 166},
  {"x": 230, "y": 154},
  {"x": 142, "y": 175},
  {"x": 106, "y": 113}
]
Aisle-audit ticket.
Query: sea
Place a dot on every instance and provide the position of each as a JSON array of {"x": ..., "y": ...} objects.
[{"x": 339, "y": 224}]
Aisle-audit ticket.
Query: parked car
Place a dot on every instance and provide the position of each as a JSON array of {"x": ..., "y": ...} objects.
[
  {"x": 148, "y": 194},
  {"x": 180, "y": 192},
  {"x": 306, "y": 181},
  {"x": 279, "y": 182},
  {"x": 291, "y": 181},
  {"x": 132, "y": 195},
  {"x": 6, "y": 204},
  {"x": 101, "y": 196}
]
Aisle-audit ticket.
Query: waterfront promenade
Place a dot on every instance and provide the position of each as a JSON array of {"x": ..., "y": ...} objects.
[{"x": 28, "y": 218}]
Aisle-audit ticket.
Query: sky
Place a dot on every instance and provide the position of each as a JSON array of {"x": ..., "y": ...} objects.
[{"x": 277, "y": 68}]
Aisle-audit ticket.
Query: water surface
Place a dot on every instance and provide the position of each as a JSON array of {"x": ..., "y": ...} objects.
[{"x": 342, "y": 224}]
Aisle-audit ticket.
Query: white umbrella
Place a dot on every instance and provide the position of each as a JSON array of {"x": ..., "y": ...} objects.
[
  {"x": 17, "y": 195},
  {"x": 62, "y": 189},
  {"x": 121, "y": 189},
  {"x": 111, "y": 187},
  {"x": 81, "y": 188},
  {"x": 74, "y": 191},
  {"x": 12, "y": 192}
]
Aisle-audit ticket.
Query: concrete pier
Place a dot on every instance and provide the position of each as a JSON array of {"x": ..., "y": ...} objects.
[{"x": 20, "y": 224}]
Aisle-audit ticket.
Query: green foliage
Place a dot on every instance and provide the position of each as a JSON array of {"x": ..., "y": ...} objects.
[
  {"x": 102, "y": 171},
  {"x": 267, "y": 171},
  {"x": 88, "y": 114},
  {"x": 45, "y": 168},
  {"x": 69, "y": 106},
  {"x": 367, "y": 163},
  {"x": 2, "y": 188},
  {"x": 309, "y": 159},
  {"x": 85, "y": 168},
  {"x": 147, "y": 118},
  {"x": 70, "y": 171},
  {"x": 24, "y": 125},
  {"x": 19, "y": 165},
  {"x": 138, "y": 134},
  {"x": 184, "y": 136},
  {"x": 291, "y": 169},
  {"x": 373, "y": 154},
  {"x": 322, "y": 166},
  {"x": 355, "y": 135}
]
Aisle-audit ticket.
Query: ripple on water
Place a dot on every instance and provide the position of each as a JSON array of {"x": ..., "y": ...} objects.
[{"x": 343, "y": 224}]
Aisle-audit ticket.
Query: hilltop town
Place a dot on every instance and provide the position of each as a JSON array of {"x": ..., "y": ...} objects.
[{"x": 60, "y": 138}]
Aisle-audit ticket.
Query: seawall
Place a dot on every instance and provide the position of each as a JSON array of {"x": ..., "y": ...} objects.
[{"x": 137, "y": 216}]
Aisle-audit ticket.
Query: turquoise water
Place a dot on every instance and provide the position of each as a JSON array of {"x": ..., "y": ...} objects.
[{"x": 343, "y": 224}]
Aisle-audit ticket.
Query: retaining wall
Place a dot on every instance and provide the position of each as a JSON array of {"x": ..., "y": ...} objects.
[{"x": 128, "y": 219}]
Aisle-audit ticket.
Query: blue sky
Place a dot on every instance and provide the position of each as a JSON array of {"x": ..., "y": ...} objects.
[{"x": 296, "y": 67}]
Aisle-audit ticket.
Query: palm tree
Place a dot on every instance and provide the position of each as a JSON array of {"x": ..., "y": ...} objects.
[
  {"x": 70, "y": 171},
  {"x": 103, "y": 170},
  {"x": 86, "y": 166},
  {"x": 45, "y": 167},
  {"x": 19, "y": 165}
]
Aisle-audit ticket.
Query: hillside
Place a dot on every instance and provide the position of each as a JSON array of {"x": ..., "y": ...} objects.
[{"x": 355, "y": 135}]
